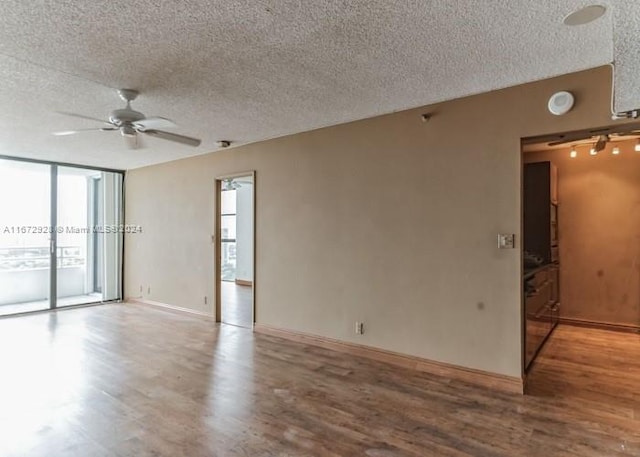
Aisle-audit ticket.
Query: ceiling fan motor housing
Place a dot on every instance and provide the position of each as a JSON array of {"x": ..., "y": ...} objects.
[{"x": 125, "y": 116}]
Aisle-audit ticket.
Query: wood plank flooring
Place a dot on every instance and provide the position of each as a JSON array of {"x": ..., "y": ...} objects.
[
  {"x": 237, "y": 304},
  {"x": 128, "y": 380},
  {"x": 596, "y": 368}
]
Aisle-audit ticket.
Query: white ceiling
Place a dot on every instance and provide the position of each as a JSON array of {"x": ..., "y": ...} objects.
[
  {"x": 252, "y": 70},
  {"x": 626, "y": 52}
]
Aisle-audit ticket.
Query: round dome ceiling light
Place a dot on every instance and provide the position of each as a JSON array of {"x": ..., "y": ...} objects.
[
  {"x": 561, "y": 103},
  {"x": 585, "y": 15}
]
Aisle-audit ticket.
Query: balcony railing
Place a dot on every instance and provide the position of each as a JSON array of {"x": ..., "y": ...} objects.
[{"x": 38, "y": 258}]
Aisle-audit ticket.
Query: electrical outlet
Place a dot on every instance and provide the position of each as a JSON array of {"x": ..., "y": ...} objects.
[
  {"x": 359, "y": 328},
  {"x": 148, "y": 290},
  {"x": 141, "y": 289},
  {"x": 205, "y": 299}
]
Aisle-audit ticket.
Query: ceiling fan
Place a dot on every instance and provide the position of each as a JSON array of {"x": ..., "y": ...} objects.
[
  {"x": 599, "y": 141},
  {"x": 601, "y": 135},
  {"x": 234, "y": 183},
  {"x": 131, "y": 123}
]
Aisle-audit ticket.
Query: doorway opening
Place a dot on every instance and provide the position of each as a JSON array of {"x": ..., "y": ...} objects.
[
  {"x": 235, "y": 250},
  {"x": 581, "y": 265}
]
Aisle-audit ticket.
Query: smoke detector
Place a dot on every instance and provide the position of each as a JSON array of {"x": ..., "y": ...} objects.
[{"x": 561, "y": 103}]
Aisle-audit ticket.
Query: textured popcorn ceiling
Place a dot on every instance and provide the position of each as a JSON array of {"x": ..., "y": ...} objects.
[
  {"x": 626, "y": 19},
  {"x": 251, "y": 70}
]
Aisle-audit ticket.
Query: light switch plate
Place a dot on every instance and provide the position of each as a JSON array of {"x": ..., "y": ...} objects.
[{"x": 506, "y": 241}]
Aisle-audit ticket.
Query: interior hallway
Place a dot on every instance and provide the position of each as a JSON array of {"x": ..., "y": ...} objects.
[
  {"x": 131, "y": 380},
  {"x": 237, "y": 304}
]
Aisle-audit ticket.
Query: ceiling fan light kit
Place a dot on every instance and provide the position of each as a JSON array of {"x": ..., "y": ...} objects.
[
  {"x": 230, "y": 184},
  {"x": 131, "y": 123}
]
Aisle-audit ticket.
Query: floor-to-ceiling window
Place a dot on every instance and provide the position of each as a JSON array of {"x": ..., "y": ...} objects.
[
  {"x": 228, "y": 222},
  {"x": 25, "y": 249},
  {"x": 60, "y": 236}
]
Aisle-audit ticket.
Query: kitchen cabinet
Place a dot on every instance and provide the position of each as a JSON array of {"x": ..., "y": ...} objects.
[
  {"x": 541, "y": 243},
  {"x": 541, "y": 308},
  {"x": 540, "y": 210}
]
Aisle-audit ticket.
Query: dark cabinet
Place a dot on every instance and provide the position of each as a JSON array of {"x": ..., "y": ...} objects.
[
  {"x": 541, "y": 282},
  {"x": 540, "y": 201},
  {"x": 540, "y": 307}
]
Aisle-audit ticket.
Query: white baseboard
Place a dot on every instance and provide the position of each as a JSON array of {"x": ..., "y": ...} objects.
[
  {"x": 141, "y": 301},
  {"x": 494, "y": 381}
]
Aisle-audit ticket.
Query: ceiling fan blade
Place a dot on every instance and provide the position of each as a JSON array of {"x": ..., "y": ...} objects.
[
  {"x": 570, "y": 139},
  {"x": 558, "y": 143},
  {"x": 153, "y": 123},
  {"x": 82, "y": 116},
  {"x": 578, "y": 135},
  {"x": 73, "y": 132},
  {"x": 189, "y": 141}
]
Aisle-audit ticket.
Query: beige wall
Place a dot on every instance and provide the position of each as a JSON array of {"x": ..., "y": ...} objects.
[
  {"x": 599, "y": 221},
  {"x": 389, "y": 220}
]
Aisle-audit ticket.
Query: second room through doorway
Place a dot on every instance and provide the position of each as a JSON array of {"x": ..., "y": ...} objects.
[{"x": 236, "y": 250}]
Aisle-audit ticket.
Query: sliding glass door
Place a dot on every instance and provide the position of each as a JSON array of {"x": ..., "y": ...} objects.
[
  {"x": 25, "y": 249},
  {"x": 63, "y": 246}
]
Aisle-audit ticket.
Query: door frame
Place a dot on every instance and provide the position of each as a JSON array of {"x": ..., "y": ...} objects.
[
  {"x": 53, "y": 238},
  {"x": 571, "y": 136},
  {"x": 218, "y": 244}
]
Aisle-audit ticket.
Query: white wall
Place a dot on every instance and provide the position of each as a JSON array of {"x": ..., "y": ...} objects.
[{"x": 244, "y": 230}]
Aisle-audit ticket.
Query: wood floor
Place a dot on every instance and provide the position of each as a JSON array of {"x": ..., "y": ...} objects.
[
  {"x": 237, "y": 304},
  {"x": 130, "y": 380},
  {"x": 599, "y": 369}
]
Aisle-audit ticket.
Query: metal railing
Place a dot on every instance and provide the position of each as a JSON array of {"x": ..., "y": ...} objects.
[{"x": 37, "y": 258}]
